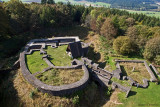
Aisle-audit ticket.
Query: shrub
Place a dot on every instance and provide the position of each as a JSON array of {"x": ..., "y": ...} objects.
[
  {"x": 31, "y": 94},
  {"x": 157, "y": 59},
  {"x": 75, "y": 100},
  {"x": 152, "y": 49},
  {"x": 124, "y": 45}
]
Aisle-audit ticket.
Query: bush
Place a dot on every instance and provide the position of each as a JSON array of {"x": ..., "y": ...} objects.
[
  {"x": 31, "y": 94},
  {"x": 157, "y": 59},
  {"x": 124, "y": 45},
  {"x": 75, "y": 100},
  {"x": 152, "y": 49}
]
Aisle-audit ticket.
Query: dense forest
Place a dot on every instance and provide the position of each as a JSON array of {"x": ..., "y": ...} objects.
[
  {"x": 129, "y": 4},
  {"x": 19, "y": 22}
]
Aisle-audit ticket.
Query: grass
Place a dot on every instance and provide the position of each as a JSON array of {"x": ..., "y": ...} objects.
[
  {"x": 139, "y": 73},
  {"x": 58, "y": 56},
  {"x": 35, "y": 62},
  {"x": 122, "y": 82},
  {"x": 58, "y": 77},
  {"x": 142, "y": 97},
  {"x": 158, "y": 69}
]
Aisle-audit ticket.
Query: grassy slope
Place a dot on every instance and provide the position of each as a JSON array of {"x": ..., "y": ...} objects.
[
  {"x": 142, "y": 96},
  {"x": 35, "y": 62},
  {"x": 59, "y": 56},
  {"x": 60, "y": 77}
]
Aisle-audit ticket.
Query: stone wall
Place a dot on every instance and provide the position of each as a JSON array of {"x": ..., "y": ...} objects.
[
  {"x": 153, "y": 78},
  {"x": 54, "y": 90},
  {"x": 122, "y": 88},
  {"x": 155, "y": 70}
]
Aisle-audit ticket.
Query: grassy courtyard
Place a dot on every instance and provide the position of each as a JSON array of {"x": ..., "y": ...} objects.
[
  {"x": 138, "y": 74},
  {"x": 142, "y": 97},
  {"x": 58, "y": 56},
  {"x": 35, "y": 62},
  {"x": 58, "y": 77}
]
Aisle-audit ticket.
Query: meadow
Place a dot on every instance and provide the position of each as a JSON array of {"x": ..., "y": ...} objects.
[{"x": 148, "y": 13}]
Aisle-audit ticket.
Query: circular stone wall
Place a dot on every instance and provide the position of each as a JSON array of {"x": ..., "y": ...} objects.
[{"x": 54, "y": 90}]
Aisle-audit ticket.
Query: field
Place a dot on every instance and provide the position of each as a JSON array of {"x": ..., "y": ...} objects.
[
  {"x": 58, "y": 56},
  {"x": 148, "y": 13},
  {"x": 35, "y": 62},
  {"x": 58, "y": 77},
  {"x": 141, "y": 97},
  {"x": 86, "y": 3},
  {"x": 138, "y": 74}
]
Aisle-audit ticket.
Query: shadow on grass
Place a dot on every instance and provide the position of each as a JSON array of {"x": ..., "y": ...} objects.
[
  {"x": 132, "y": 93},
  {"x": 8, "y": 94},
  {"x": 123, "y": 71},
  {"x": 91, "y": 96},
  {"x": 95, "y": 56}
]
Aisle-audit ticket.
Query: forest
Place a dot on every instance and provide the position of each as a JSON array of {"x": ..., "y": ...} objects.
[{"x": 18, "y": 19}]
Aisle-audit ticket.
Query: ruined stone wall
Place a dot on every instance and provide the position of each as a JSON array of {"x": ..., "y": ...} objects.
[
  {"x": 154, "y": 68},
  {"x": 54, "y": 90},
  {"x": 153, "y": 78},
  {"x": 122, "y": 88}
]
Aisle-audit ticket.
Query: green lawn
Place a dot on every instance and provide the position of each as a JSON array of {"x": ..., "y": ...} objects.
[
  {"x": 149, "y": 97},
  {"x": 59, "y": 57},
  {"x": 35, "y": 62},
  {"x": 111, "y": 60}
]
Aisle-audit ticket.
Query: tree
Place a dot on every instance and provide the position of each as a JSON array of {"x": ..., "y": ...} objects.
[
  {"x": 4, "y": 23},
  {"x": 43, "y": 1},
  {"x": 108, "y": 29},
  {"x": 124, "y": 45},
  {"x": 19, "y": 15},
  {"x": 47, "y": 16},
  {"x": 132, "y": 32},
  {"x": 50, "y": 2},
  {"x": 152, "y": 48},
  {"x": 130, "y": 22}
]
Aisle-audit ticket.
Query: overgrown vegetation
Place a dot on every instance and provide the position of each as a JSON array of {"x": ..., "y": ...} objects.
[
  {"x": 57, "y": 77},
  {"x": 136, "y": 71}
]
